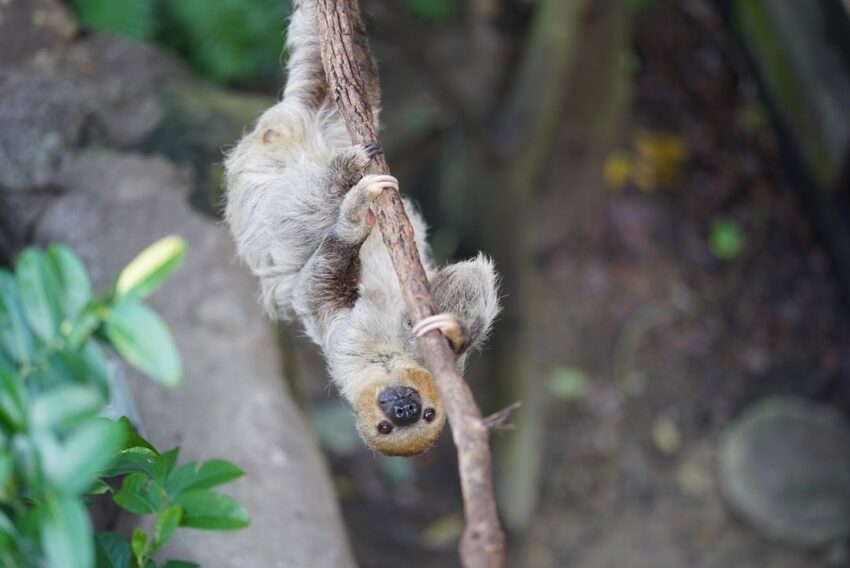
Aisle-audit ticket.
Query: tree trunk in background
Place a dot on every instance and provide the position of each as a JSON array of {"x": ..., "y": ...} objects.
[{"x": 576, "y": 51}]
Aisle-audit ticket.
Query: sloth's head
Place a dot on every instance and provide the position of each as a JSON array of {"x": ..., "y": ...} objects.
[{"x": 400, "y": 414}]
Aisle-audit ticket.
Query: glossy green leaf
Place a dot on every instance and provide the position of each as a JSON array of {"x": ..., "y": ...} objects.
[
  {"x": 74, "y": 290},
  {"x": 180, "y": 479},
  {"x": 38, "y": 290},
  {"x": 112, "y": 551},
  {"x": 140, "y": 494},
  {"x": 139, "y": 544},
  {"x": 165, "y": 463},
  {"x": 66, "y": 533},
  {"x": 165, "y": 525},
  {"x": 134, "y": 439},
  {"x": 15, "y": 336},
  {"x": 84, "y": 455},
  {"x": 132, "y": 460},
  {"x": 141, "y": 337},
  {"x": 151, "y": 268},
  {"x": 215, "y": 472},
  {"x": 211, "y": 473},
  {"x": 205, "y": 509},
  {"x": 65, "y": 406},
  {"x": 180, "y": 564}
]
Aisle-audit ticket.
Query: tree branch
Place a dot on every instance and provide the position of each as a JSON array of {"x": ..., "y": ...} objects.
[{"x": 351, "y": 72}]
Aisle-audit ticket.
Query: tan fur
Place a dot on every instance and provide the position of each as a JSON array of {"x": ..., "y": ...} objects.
[{"x": 407, "y": 440}]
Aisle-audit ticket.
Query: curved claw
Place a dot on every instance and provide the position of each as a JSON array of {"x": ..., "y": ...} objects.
[
  {"x": 442, "y": 322},
  {"x": 446, "y": 324},
  {"x": 375, "y": 184}
]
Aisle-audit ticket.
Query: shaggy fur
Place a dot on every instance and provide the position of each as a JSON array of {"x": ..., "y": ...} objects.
[{"x": 297, "y": 205}]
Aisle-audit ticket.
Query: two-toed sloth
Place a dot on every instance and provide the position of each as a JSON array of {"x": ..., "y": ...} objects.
[{"x": 298, "y": 205}]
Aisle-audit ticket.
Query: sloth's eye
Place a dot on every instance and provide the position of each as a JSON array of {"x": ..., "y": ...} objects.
[
  {"x": 384, "y": 427},
  {"x": 429, "y": 414}
]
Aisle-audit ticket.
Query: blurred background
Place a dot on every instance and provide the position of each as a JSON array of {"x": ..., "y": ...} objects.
[{"x": 664, "y": 185}]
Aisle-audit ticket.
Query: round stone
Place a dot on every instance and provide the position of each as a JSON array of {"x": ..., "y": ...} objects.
[{"x": 784, "y": 465}]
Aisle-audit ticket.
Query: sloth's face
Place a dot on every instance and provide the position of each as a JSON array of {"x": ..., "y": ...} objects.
[{"x": 400, "y": 414}]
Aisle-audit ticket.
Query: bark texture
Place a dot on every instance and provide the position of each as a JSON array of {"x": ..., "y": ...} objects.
[{"x": 351, "y": 71}]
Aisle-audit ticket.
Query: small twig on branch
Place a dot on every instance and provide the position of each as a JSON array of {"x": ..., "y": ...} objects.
[
  {"x": 497, "y": 420},
  {"x": 352, "y": 77}
]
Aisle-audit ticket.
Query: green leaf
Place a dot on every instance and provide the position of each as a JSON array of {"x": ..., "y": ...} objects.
[
  {"x": 6, "y": 465},
  {"x": 211, "y": 473},
  {"x": 37, "y": 287},
  {"x": 151, "y": 268},
  {"x": 12, "y": 398},
  {"x": 165, "y": 525},
  {"x": 726, "y": 239},
  {"x": 65, "y": 406},
  {"x": 204, "y": 509},
  {"x": 15, "y": 336},
  {"x": 180, "y": 564},
  {"x": 74, "y": 284},
  {"x": 112, "y": 551},
  {"x": 132, "y": 460},
  {"x": 80, "y": 328},
  {"x": 141, "y": 337},
  {"x": 139, "y": 544},
  {"x": 94, "y": 365},
  {"x": 25, "y": 456},
  {"x": 165, "y": 462},
  {"x": 140, "y": 494},
  {"x": 99, "y": 487},
  {"x": 85, "y": 454},
  {"x": 66, "y": 533},
  {"x": 134, "y": 439}
]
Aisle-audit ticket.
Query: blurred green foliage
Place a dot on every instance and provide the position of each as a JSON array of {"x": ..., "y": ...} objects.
[
  {"x": 229, "y": 41},
  {"x": 226, "y": 40},
  {"x": 58, "y": 441},
  {"x": 726, "y": 238},
  {"x": 132, "y": 18},
  {"x": 434, "y": 10}
]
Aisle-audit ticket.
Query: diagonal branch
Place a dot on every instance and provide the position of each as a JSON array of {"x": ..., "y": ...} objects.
[{"x": 351, "y": 76}]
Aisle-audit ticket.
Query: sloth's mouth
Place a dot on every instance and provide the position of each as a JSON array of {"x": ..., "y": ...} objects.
[{"x": 401, "y": 405}]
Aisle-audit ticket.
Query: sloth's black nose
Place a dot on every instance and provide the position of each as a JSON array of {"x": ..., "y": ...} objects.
[{"x": 402, "y": 405}]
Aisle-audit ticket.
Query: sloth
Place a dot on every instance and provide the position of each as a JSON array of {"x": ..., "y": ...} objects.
[{"x": 298, "y": 205}]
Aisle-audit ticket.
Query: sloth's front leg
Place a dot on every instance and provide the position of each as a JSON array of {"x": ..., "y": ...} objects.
[
  {"x": 332, "y": 275},
  {"x": 355, "y": 216}
]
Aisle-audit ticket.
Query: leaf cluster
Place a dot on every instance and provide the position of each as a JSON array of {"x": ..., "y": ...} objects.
[{"x": 56, "y": 445}]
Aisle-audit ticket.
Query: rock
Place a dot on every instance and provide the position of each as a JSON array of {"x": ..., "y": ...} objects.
[
  {"x": 233, "y": 403},
  {"x": 784, "y": 465}
]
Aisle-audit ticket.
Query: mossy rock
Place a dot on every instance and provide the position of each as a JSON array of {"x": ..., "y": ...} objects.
[{"x": 784, "y": 465}]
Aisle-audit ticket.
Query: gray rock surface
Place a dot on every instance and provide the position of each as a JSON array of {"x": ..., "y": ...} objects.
[
  {"x": 784, "y": 465},
  {"x": 87, "y": 172}
]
